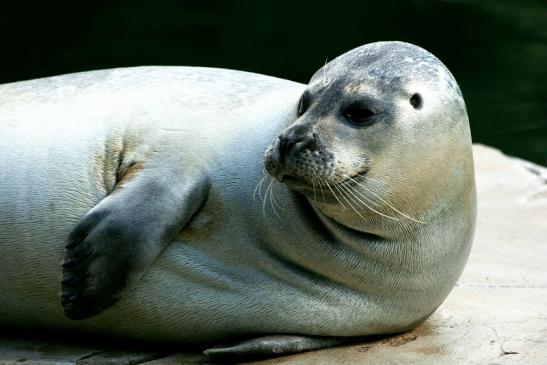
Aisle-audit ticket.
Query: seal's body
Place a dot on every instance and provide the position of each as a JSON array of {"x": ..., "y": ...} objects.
[{"x": 155, "y": 175}]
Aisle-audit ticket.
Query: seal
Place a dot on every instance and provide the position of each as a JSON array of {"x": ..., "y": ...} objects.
[{"x": 361, "y": 226}]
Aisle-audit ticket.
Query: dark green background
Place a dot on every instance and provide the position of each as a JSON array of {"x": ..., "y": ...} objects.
[{"x": 496, "y": 49}]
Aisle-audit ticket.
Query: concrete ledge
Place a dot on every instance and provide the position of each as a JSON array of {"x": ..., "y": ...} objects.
[{"x": 497, "y": 314}]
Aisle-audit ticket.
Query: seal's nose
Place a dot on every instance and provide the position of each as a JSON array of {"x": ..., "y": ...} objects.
[{"x": 296, "y": 139}]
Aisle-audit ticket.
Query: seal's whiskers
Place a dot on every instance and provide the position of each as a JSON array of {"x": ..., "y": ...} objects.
[
  {"x": 272, "y": 199},
  {"x": 346, "y": 184},
  {"x": 333, "y": 194},
  {"x": 325, "y": 71},
  {"x": 314, "y": 192},
  {"x": 266, "y": 198},
  {"x": 351, "y": 191},
  {"x": 346, "y": 199},
  {"x": 259, "y": 188},
  {"x": 385, "y": 202},
  {"x": 320, "y": 183}
]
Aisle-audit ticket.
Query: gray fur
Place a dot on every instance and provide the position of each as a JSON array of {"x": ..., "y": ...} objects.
[{"x": 156, "y": 167}]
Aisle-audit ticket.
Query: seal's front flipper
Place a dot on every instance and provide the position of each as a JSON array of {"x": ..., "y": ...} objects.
[
  {"x": 123, "y": 234},
  {"x": 272, "y": 346}
]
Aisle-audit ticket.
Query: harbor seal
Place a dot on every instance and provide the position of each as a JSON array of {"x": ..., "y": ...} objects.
[{"x": 361, "y": 226}]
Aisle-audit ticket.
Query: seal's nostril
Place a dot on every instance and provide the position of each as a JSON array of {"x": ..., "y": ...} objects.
[
  {"x": 295, "y": 139},
  {"x": 287, "y": 145},
  {"x": 299, "y": 140}
]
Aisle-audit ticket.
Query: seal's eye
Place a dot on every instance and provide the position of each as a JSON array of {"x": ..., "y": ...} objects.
[
  {"x": 358, "y": 114},
  {"x": 416, "y": 101},
  {"x": 304, "y": 103}
]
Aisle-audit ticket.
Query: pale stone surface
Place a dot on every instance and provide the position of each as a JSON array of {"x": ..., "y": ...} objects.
[{"x": 497, "y": 314}]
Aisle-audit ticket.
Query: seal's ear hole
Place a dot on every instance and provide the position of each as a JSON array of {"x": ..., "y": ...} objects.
[{"x": 416, "y": 101}]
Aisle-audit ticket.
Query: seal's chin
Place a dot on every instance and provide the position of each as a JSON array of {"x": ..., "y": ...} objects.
[{"x": 295, "y": 182}]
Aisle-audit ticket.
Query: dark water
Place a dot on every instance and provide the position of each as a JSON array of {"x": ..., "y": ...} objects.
[{"x": 496, "y": 49}]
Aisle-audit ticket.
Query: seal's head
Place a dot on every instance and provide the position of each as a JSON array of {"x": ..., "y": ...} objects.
[{"x": 373, "y": 133}]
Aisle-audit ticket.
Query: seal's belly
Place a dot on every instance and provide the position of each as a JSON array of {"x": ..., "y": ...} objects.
[{"x": 52, "y": 150}]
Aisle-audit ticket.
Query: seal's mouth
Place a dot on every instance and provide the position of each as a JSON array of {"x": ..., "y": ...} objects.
[
  {"x": 285, "y": 178},
  {"x": 356, "y": 176},
  {"x": 301, "y": 183},
  {"x": 294, "y": 181}
]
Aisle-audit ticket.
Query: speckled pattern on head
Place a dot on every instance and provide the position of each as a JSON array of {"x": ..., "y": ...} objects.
[
  {"x": 389, "y": 62},
  {"x": 148, "y": 184},
  {"x": 389, "y": 65}
]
